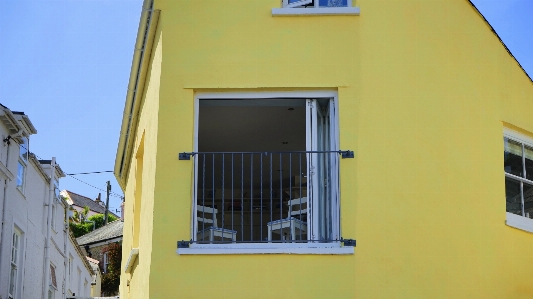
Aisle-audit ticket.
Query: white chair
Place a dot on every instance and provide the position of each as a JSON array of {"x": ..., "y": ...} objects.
[
  {"x": 287, "y": 227},
  {"x": 212, "y": 231}
]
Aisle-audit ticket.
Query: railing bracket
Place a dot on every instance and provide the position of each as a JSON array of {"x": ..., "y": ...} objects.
[
  {"x": 184, "y": 244},
  {"x": 348, "y": 242},
  {"x": 347, "y": 154},
  {"x": 184, "y": 156}
]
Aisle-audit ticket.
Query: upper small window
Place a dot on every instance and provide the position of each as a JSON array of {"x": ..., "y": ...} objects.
[
  {"x": 316, "y": 3},
  {"x": 24, "y": 149}
]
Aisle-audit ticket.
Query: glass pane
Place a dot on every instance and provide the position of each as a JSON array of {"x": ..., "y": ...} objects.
[
  {"x": 528, "y": 153},
  {"x": 20, "y": 176},
  {"x": 12, "y": 279},
  {"x": 333, "y": 3},
  {"x": 512, "y": 157},
  {"x": 24, "y": 149},
  {"x": 528, "y": 200},
  {"x": 513, "y": 196}
]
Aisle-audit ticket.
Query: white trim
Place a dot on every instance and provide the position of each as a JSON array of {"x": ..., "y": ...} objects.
[
  {"x": 265, "y": 95},
  {"x": 267, "y": 248},
  {"x": 131, "y": 259},
  {"x": 91, "y": 245},
  {"x": 5, "y": 173},
  {"x": 519, "y": 222},
  {"x": 321, "y": 11},
  {"x": 517, "y": 136},
  {"x": 252, "y": 95}
]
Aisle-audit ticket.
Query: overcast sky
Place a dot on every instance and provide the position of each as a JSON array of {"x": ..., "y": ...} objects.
[{"x": 66, "y": 65}]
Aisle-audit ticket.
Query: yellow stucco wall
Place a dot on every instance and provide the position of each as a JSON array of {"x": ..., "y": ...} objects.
[
  {"x": 424, "y": 90},
  {"x": 136, "y": 283}
]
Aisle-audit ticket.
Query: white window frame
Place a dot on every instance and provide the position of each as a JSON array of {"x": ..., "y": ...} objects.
[
  {"x": 15, "y": 263},
  {"x": 302, "y": 7},
  {"x": 261, "y": 248},
  {"x": 513, "y": 220}
]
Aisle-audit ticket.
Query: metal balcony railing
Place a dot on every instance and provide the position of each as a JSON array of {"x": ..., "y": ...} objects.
[{"x": 255, "y": 197}]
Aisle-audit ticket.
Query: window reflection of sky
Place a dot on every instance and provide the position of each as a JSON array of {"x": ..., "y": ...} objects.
[{"x": 326, "y": 3}]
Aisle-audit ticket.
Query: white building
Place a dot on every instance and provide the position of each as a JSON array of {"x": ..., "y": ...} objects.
[{"x": 38, "y": 256}]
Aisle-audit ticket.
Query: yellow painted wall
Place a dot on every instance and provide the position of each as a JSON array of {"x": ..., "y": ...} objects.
[
  {"x": 424, "y": 88},
  {"x": 136, "y": 284}
]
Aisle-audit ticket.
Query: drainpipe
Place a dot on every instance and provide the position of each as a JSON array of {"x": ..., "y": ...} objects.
[
  {"x": 66, "y": 276},
  {"x": 49, "y": 228},
  {"x": 4, "y": 208},
  {"x": 4, "y": 204}
]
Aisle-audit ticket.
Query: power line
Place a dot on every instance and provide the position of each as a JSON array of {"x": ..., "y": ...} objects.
[
  {"x": 112, "y": 194},
  {"x": 71, "y": 174}
]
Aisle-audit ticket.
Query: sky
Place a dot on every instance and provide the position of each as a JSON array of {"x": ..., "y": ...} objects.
[{"x": 66, "y": 64}]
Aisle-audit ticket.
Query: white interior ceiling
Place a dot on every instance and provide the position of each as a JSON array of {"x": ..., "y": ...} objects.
[{"x": 237, "y": 126}]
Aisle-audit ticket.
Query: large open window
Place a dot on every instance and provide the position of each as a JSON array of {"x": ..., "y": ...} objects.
[{"x": 266, "y": 171}]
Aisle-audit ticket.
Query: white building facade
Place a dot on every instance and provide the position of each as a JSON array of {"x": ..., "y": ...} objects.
[{"x": 38, "y": 256}]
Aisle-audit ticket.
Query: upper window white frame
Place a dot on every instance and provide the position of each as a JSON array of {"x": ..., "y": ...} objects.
[
  {"x": 519, "y": 221},
  {"x": 312, "y": 7},
  {"x": 17, "y": 247},
  {"x": 259, "y": 248}
]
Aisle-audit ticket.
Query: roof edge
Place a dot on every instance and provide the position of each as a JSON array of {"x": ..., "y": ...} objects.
[
  {"x": 499, "y": 38},
  {"x": 132, "y": 104}
]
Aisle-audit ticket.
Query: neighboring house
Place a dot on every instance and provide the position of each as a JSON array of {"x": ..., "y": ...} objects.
[
  {"x": 96, "y": 285},
  {"x": 34, "y": 237},
  {"x": 79, "y": 202},
  {"x": 263, "y": 137},
  {"x": 93, "y": 243}
]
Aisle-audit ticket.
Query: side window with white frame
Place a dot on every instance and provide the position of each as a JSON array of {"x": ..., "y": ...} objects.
[
  {"x": 53, "y": 278},
  {"x": 518, "y": 168},
  {"x": 16, "y": 258}
]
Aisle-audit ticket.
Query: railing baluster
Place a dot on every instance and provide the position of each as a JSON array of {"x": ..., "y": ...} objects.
[
  {"x": 290, "y": 198},
  {"x": 252, "y": 197},
  {"x": 213, "y": 214},
  {"x": 289, "y": 222},
  {"x": 280, "y": 192},
  {"x": 300, "y": 195},
  {"x": 271, "y": 199},
  {"x": 261, "y": 196},
  {"x": 203, "y": 200},
  {"x": 232, "y": 189},
  {"x": 222, "y": 207},
  {"x": 242, "y": 197}
]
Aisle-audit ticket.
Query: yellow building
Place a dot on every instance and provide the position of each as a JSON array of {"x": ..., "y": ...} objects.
[{"x": 264, "y": 137}]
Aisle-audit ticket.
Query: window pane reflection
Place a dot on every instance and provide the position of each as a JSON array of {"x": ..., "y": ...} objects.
[
  {"x": 513, "y": 157},
  {"x": 333, "y": 3},
  {"x": 513, "y": 197},
  {"x": 528, "y": 200},
  {"x": 528, "y": 153}
]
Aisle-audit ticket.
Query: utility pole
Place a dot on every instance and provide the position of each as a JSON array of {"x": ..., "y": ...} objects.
[{"x": 107, "y": 202}]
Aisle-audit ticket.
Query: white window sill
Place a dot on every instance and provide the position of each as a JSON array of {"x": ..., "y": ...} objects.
[
  {"x": 519, "y": 222},
  {"x": 267, "y": 248},
  {"x": 322, "y": 11},
  {"x": 134, "y": 253}
]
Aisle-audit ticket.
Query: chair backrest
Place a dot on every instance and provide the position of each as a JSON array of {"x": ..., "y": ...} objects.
[
  {"x": 201, "y": 211},
  {"x": 297, "y": 207}
]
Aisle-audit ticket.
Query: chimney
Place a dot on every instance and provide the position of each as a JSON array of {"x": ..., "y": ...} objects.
[
  {"x": 122, "y": 211},
  {"x": 98, "y": 198}
]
